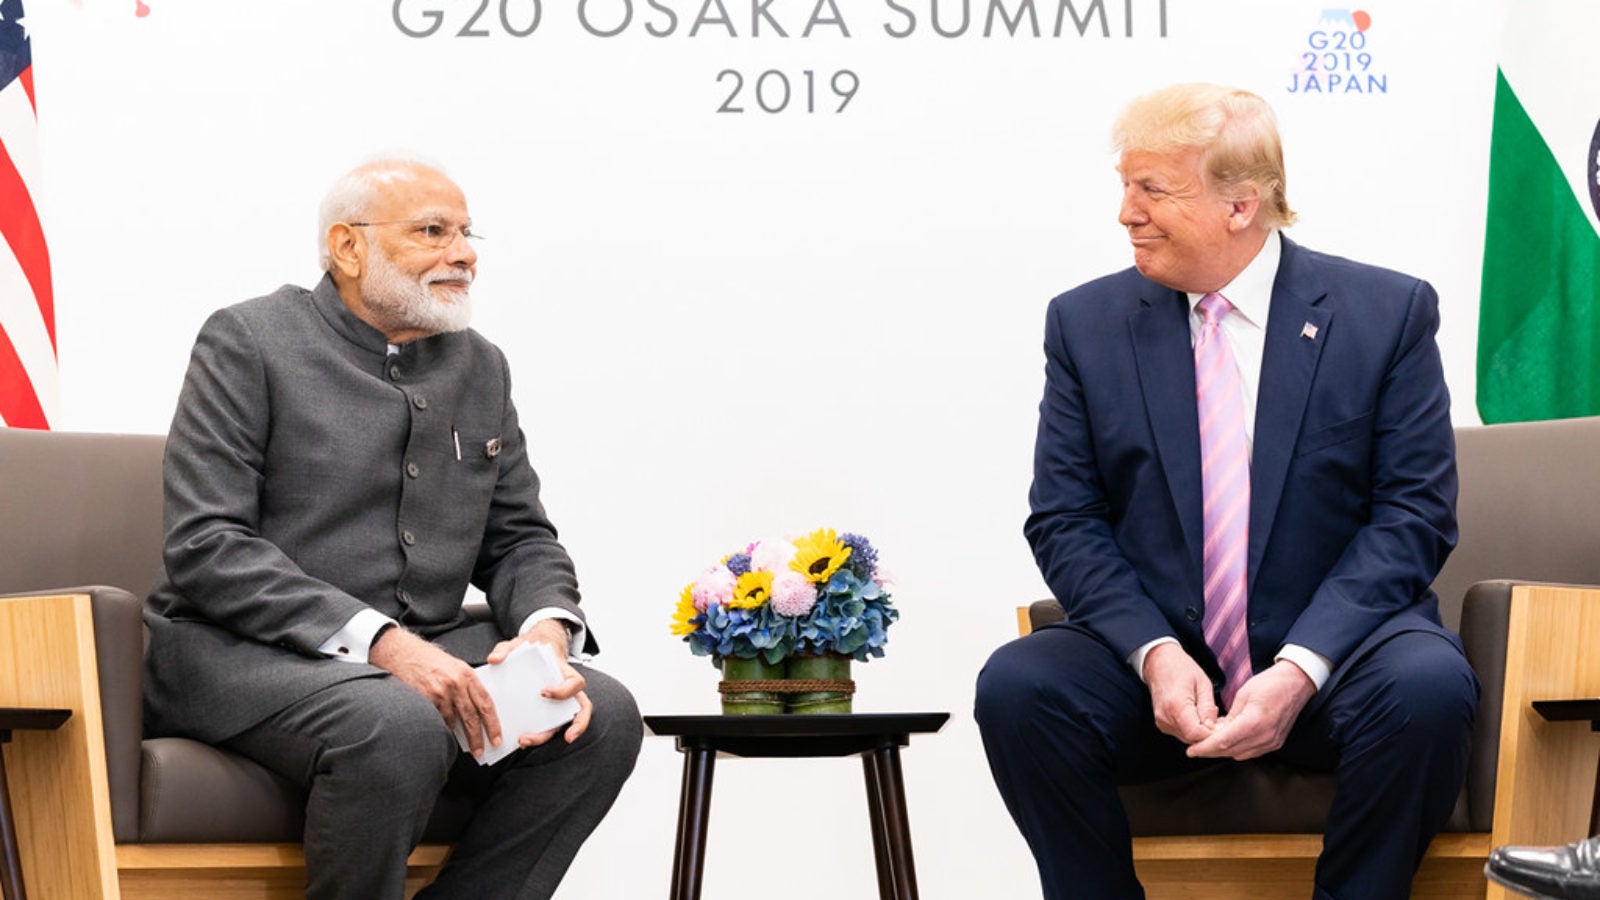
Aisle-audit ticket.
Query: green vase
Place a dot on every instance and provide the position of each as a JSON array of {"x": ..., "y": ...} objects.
[
  {"x": 827, "y": 667},
  {"x": 747, "y": 703}
]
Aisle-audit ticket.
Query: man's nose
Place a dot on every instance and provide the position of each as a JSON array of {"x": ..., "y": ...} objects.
[
  {"x": 461, "y": 252},
  {"x": 1132, "y": 211}
]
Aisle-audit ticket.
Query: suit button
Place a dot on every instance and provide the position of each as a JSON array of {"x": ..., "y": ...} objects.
[
  {"x": 420, "y": 402},
  {"x": 408, "y": 538},
  {"x": 1191, "y": 614},
  {"x": 412, "y": 470},
  {"x": 394, "y": 373}
]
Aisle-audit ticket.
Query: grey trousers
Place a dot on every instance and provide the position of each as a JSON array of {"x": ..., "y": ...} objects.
[{"x": 374, "y": 756}]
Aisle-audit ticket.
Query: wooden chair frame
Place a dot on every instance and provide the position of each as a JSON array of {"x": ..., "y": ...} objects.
[{"x": 62, "y": 799}]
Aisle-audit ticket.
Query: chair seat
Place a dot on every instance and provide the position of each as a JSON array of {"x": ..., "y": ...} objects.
[
  {"x": 1264, "y": 796},
  {"x": 191, "y": 792},
  {"x": 1255, "y": 797}
]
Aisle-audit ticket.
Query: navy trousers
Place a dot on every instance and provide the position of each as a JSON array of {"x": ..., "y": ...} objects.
[{"x": 1064, "y": 720}]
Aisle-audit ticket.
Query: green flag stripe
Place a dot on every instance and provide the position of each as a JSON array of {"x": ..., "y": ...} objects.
[{"x": 1539, "y": 318}]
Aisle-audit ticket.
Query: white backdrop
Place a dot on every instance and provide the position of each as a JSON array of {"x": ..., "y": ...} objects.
[{"x": 728, "y": 325}]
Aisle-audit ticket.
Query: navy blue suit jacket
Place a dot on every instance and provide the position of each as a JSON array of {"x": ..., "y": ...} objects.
[{"x": 1353, "y": 483}]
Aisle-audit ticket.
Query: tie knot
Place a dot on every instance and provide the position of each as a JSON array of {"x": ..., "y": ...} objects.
[{"x": 1213, "y": 307}]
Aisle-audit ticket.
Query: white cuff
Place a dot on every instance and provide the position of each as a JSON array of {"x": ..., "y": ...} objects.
[
  {"x": 1316, "y": 666},
  {"x": 1136, "y": 659},
  {"x": 353, "y": 642},
  {"x": 575, "y": 628}
]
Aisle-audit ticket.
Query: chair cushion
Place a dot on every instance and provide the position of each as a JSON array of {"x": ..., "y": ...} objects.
[
  {"x": 1260, "y": 796},
  {"x": 1255, "y": 797},
  {"x": 195, "y": 793}
]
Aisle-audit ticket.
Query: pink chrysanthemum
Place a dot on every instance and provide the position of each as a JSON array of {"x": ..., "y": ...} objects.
[
  {"x": 772, "y": 555},
  {"x": 715, "y": 585},
  {"x": 792, "y": 594}
]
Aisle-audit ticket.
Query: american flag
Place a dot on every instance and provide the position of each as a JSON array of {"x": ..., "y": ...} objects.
[{"x": 28, "y": 375}]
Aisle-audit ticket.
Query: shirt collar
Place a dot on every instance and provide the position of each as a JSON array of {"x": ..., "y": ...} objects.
[
  {"x": 1250, "y": 291},
  {"x": 328, "y": 302}
]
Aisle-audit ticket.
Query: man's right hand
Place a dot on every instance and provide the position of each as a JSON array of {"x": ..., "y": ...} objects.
[
  {"x": 447, "y": 682},
  {"x": 1180, "y": 693}
]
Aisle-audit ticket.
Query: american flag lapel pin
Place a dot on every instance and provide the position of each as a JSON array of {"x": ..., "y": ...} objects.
[{"x": 1308, "y": 331}]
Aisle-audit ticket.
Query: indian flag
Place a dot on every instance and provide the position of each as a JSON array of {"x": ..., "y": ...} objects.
[{"x": 1539, "y": 322}]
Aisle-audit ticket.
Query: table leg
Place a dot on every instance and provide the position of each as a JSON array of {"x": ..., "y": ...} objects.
[
  {"x": 880, "y": 837},
  {"x": 694, "y": 813},
  {"x": 1594, "y": 806},
  {"x": 11, "y": 861},
  {"x": 896, "y": 827}
]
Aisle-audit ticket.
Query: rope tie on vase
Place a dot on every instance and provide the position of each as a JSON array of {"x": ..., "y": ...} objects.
[{"x": 785, "y": 686}]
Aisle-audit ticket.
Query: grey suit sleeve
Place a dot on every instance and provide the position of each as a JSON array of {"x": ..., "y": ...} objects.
[
  {"x": 521, "y": 566},
  {"x": 215, "y": 555}
]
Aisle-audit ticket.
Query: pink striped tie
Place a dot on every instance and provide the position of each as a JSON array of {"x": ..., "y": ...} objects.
[{"x": 1225, "y": 477}]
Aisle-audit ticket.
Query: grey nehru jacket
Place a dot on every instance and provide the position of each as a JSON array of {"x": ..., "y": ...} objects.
[{"x": 310, "y": 475}]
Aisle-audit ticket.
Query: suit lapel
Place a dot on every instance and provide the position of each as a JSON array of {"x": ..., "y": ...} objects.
[
  {"x": 1288, "y": 367},
  {"x": 1164, "y": 355}
]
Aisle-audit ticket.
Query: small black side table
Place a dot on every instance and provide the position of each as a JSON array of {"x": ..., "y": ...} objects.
[
  {"x": 1587, "y": 710},
  {"x": 11, "y": 719},
  {"x": 877, "y": 737}
]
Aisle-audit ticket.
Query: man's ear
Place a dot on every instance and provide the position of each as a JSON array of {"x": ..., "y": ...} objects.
[
  {"x": 347, "y": 250},
  {"x": 1242, "y": 211}
]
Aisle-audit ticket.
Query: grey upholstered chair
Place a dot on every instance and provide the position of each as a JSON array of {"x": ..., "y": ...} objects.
[
  {"x": 81, "y": 514},
  {"x": 1529, "y": 511}
]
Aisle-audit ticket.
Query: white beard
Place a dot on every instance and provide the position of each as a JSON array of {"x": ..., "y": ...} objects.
[{"x": 402, "y": 303}]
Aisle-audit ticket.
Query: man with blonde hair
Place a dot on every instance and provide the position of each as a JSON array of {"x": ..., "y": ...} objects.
[
  {"x": 1244, "y": 482},
  {"x": 343, "y": 462}
]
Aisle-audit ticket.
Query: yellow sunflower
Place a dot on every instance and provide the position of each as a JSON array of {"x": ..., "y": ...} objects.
[
  {"x": 752, "y": 590},
  {"x": 685, "y": 611},
  {"x": 819, "y": 554}
]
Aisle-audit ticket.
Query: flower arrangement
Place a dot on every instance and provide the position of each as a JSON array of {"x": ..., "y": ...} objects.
[{"x": 817, "y": 594}]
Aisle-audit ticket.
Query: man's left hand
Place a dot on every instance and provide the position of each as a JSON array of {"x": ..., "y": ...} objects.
[
  {"x": 553, "y": 633},
  {"x": 1263, "y": 712}
]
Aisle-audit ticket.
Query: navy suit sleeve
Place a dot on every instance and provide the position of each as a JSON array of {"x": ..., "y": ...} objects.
[
  {"x": 1070, "y": 528},
  {"x": 1410, "y": 527}
]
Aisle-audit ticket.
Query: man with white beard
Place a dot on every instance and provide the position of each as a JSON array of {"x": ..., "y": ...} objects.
[{"x": 343, "y": 462}]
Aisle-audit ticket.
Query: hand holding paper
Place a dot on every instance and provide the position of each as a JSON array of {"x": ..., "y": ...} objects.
[{"x": 514, "y": 685}]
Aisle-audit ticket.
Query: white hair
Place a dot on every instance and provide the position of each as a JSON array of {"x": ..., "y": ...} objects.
[{"x": 351, "y": 197}]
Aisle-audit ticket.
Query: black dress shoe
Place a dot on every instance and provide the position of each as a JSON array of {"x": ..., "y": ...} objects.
[{"x": 1558, "y": 873}]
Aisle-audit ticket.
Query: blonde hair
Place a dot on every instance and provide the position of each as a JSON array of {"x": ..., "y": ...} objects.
[{"x": 1235, "y": 131}]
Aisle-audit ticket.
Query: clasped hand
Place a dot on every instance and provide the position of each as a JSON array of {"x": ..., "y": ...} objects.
[
  {"x": 1263, "y": 711},
  {"x": 454, "y": 690}
]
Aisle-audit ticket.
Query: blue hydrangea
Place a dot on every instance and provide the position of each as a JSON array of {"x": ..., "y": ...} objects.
[{"x": 739, "y": 564}]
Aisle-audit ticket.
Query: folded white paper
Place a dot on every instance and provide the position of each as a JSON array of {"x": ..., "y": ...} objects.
[{"x": 514, "y": 684}]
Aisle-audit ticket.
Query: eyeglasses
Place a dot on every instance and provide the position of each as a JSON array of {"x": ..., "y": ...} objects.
[{"x": 436, "y": 233}]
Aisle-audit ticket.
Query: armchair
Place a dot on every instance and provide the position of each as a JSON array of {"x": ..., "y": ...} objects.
[
  {"x": 1529, "y": 509},
  {"x": 100, "y": 804}
]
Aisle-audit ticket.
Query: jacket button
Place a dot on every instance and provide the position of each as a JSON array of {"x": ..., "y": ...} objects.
[
  {"x": 420, "y": 402},
  {"x": 394, "y": 373},
  {"x": 412, "y": 470},
  {"x": 408, "y": 538},
  {"x": 1191, "y": 614}
]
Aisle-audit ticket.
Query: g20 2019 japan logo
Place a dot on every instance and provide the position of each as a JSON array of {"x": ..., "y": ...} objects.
[{"x": 1337, "y": 57}]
